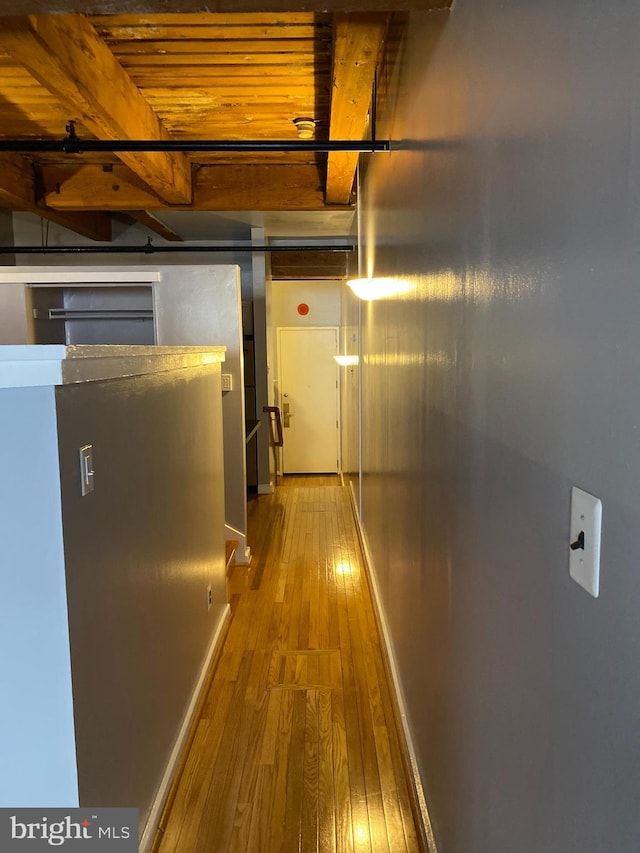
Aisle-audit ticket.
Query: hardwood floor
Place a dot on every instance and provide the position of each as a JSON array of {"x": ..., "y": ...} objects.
[
  {"x": 296, "y": 748},
  {"x": 310, "y": 480}
]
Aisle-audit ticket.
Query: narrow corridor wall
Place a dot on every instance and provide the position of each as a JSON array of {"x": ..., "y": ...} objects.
[{"x": 505, "y": 374}]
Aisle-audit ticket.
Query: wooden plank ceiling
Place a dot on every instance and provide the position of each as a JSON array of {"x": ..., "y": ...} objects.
[{"x": 231, "y": 76}]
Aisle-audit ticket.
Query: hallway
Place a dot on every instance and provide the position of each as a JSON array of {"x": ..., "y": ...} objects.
[{"x": 296, "y": 747}]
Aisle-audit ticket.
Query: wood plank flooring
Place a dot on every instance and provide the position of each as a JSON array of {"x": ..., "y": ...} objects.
[{"x": 296, "y": 748}]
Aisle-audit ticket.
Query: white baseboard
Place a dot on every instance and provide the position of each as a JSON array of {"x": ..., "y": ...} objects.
[
  {"x": 243, "y": 551},
  {"x": 172, "y": 765},
  {"x": 427, "y": 828},
  {"x": 265, "y": 488}
]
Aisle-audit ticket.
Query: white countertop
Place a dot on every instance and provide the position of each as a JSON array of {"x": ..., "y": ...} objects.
[{"x": 55, "y": 364}]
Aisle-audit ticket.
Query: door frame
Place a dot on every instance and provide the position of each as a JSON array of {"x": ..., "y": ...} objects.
[{"x": 278, "y": 390}]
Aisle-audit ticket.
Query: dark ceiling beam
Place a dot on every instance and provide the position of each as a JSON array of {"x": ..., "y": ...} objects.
[
  {"x": 307, "y": 265},
  {"x": 148, "y": 7},
  {"x": 154, "y": 224},
  {"x": 18, "y": 192},
  {"x": 95, "y": 225}
]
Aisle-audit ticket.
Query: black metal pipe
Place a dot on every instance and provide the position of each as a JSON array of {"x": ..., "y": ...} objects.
[
  {"x": 79, "y": 146},
  {"x": 150, "y": 249}
]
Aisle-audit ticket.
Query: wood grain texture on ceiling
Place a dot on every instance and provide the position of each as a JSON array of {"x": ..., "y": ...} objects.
[
  {"x": 243, "y": 75},
  {"x": 232, "y": 76},
  {"x": 153, "y": 7},
  {"x": 227, "y": 77}
]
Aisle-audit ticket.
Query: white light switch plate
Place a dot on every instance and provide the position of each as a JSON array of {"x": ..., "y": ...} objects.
[
  {"x": 584, "y": 562},
  {"x": 86, "y": 469}
]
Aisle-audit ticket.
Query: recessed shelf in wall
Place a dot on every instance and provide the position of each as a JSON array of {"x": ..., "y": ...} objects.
[{"x": 92, "y": 314}]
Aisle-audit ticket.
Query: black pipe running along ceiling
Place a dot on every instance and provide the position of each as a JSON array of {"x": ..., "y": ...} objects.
[
  {"x": 75, "y": 145},
  {"x": 150, "y": 249}
]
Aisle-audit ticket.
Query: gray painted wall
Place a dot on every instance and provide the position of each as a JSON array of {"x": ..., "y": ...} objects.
[
  {"x": 350, "y": 392},
  {"x": 507, "y": 374},
  {"x": 140, "y": 551}
]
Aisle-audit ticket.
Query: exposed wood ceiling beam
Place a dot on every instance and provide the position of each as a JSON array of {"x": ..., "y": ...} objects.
[
  {"x": 146, "y": 7},
  {"x": 357, "y": 46},
  {"x": 95, "y": 225},
  {"x": 265, "y": 25},
  {"x": 153, "y": 224},
  {"x": 17, "y": 182},
  {"x": 226, "y": 187},
  {"x": 17, "y": 192},
  {"x": 66, "y": 55}
]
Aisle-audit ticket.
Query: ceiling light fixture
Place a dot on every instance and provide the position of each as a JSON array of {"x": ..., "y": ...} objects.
[{"x": 306, "y": 127}]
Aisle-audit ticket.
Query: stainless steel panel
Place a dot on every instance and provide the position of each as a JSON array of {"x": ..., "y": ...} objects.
[{"x": 100, "y": 330}]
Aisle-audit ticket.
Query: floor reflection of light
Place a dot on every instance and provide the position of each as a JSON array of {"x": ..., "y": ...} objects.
[
  {"x": 344, "y": 568},
  {"x": 361, "y": 834}
]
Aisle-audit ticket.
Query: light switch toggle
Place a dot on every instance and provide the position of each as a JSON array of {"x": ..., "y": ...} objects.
[
  {"x": 584, "y": 539},
  {"x": 86, "y": 469},
  {"x": 579, "y": 543}
]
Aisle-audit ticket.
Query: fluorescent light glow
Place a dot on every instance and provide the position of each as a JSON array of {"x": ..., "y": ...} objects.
[
  {"x": 378, "y": 288},
  {"x": 346, "y": 360}
]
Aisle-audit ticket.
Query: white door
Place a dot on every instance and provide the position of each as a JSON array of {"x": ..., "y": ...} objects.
[{"x": 309, "y": 399}]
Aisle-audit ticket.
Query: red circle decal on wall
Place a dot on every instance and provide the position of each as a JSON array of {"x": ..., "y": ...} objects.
[{"x": 303, "y": 309}]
